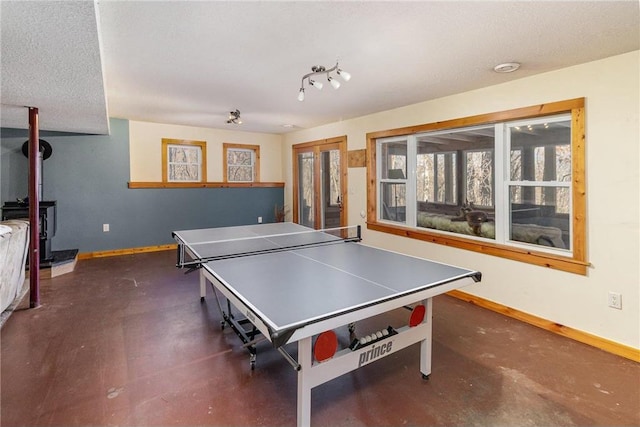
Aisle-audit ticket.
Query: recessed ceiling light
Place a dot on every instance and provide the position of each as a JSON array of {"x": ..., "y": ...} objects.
[
  {"x": 507, "y": 67},
  {"x": 287, "y": 126}
]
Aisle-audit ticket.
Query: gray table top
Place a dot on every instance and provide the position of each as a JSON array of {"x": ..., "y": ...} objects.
[{"x": 295, "y": 287}]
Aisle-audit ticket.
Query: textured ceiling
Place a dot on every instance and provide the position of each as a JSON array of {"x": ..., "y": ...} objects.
[
  {"x": 191, "y": 63},
  {"x": 51, "y": 60}
]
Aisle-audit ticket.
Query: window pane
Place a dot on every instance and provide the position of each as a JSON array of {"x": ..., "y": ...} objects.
[
  {"x": 544, "y": 222},
  {"x": 240, "y": 173},
  {"x": 425, "y": 177},
  {"x": 541, "y": 151},
  {"x": 393, "y": 198},
  {"x": 184, "y": 154},
  {"x": 436, "y": 174},
  {"x": 443, "y": 159},
  {"x": 393, "y": 160},
  {"x": 184, "y": 172},
  {"x": 239, "y": 157},
  {"x": 479, "y": 178},
  {"x": 445, "y": 181},
  {"x": 306, "y": 214},
  {"x": 516, "y": 173},
  {"x": 334, "y": 177}
]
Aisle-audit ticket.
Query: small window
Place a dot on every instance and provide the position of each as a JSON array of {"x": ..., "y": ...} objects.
[
  {"x": 183, "y": 160},
  {"x": 393, "y": 180},
  {"x": 241, "y": 163}
]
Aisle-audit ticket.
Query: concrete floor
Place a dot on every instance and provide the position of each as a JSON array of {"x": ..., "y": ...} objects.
[{"x": 126, "y": 341}]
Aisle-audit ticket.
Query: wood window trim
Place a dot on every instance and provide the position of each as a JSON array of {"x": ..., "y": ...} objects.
[
  {"x": 256, "y": 167},
  {"x": 203, "y": 150},
  {"x": 577, "y": 264}
]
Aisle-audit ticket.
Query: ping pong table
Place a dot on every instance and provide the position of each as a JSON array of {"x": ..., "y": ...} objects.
[{"x": 288, "y": 283}]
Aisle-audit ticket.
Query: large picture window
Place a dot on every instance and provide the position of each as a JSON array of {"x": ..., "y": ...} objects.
[{"x": 513, "y": 186}]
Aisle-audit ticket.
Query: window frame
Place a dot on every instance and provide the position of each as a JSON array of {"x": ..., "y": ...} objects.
[
  {"x": 244, "y": 147},
  {"x": 167, "y": 142},
  {"x": 575, "y": 263}
]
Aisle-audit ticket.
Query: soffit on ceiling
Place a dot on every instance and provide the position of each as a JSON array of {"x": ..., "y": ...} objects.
[{"x": 51, "y": 60}]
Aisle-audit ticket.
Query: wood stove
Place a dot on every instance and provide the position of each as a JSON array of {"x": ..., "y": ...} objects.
[{"x": 47, "y": 220}]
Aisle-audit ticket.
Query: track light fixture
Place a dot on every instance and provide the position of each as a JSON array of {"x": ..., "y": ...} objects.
[
  {"x": 319, "y": 69},
  {"x": 234, "y": 117}
]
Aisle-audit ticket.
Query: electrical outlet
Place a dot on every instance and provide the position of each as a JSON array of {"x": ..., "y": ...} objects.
[
  {"x": 615, "y": 300},
  {"x": 105, "y": 228},
  {"x": 259, "y": 220}
]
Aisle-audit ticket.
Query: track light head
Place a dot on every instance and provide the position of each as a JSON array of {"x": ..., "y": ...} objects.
[
  {"x": 315, "y": 84},
  {"x": 334, "y": 82},
  {"x": 345, "y": 76}
]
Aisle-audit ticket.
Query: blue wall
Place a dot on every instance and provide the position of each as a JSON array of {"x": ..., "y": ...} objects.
[{"x": 88, "y": 176}]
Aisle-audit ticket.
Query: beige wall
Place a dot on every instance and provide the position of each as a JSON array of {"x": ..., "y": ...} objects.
[
  {"x": 146, "y": 149},
  {"x": 612, "y": 91}
]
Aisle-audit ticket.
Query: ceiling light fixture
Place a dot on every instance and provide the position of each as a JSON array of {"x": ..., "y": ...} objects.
[
  {"x": 507, "y": 67},
  {"x": 319, "y": 69},
  {"x": 234, "y": 117}
]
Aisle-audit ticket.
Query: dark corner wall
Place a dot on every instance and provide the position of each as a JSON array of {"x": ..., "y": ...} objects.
[{"x": 88, "y": 175}]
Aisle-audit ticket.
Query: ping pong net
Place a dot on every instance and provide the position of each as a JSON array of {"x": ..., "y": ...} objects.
[{"x": 201, "y": 252}]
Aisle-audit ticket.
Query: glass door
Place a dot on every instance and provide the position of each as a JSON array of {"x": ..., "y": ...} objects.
[{"x": 320, "y": 183}]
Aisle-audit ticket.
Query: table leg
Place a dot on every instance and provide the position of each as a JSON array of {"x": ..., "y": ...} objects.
[
  {"x": 203, "y": 286},
  {"x": 427, "y": 344},
  {"x": 304, "y": 386}
]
